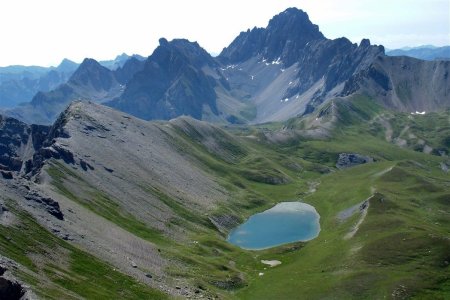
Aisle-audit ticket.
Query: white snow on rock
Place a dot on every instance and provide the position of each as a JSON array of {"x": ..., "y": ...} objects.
[{"x": 277, "y": 62}]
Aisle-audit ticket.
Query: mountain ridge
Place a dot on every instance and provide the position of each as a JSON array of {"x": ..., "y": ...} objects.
[
  {"x": 266, "y": 74},
  {"x": 425, "y": 52}
]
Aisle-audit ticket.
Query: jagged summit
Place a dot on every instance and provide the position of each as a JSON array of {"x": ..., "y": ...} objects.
[
  {"x": 285, "y": 36},
  {"x": 183, "y": 49}
]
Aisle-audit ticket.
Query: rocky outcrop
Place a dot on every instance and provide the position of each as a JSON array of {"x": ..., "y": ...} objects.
[
  {"x": 18, "y": 142},
  {"x": 10, "y": 289},
  {"x": 50, "y": 205},
  {"x": 7, "y": 175},
  {"x": 347, "y": 160}
]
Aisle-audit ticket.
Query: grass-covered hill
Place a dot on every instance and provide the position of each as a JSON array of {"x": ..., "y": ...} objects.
[{"x": 146, "y": 206}]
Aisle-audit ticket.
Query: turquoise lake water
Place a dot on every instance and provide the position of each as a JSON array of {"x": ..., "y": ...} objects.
[{"x": 284, "y": 223}]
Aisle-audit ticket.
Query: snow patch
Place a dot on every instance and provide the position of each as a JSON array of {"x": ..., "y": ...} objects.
[
  {"x": 277, "y": 62},
  {"x": 271, "y": 263},
  {"x": 418, "y": 113}
]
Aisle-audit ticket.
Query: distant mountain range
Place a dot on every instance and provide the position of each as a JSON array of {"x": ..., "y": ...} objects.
[
  {"x": 90, "y": 81},
  {"x": 266, "y": 74},
  {"x": 426, "y": 52},
  {"x": 19, "y": 84}
]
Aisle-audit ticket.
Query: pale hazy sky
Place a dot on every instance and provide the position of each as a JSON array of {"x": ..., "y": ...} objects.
[{"x": 43, "y": 32}]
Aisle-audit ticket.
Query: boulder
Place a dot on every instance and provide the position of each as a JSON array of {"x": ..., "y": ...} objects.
[
  {"x": 50, "y": 205},
  {"x": 347, "y": 160}
]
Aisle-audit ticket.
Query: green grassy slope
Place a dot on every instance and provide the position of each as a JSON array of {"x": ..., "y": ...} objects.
[
  {"x": 400, "y": 250},
  {"x": 57, "y": 270}
]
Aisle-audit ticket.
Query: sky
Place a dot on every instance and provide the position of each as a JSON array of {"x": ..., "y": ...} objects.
[{"x": 43, "y": 32}]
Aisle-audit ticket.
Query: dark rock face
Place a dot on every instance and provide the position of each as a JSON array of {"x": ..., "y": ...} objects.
[
  {"x": 85, "y": 166},
  {"x": 10, "y": 290},
  {"x": 347, "y": 160},
  {"x": 6, "y": 175},
  {"x": 48, "y": 148},
  {"x": 172, "y": 83},
  {"x": 24, "y": 148},
  {"x": 17, "y": 140},
  {"x": 284, "y": 38}
]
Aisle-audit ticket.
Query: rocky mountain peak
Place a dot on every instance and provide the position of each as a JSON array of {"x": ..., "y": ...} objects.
[
  {"x": 284, "y": 38},
  {"x": 67, "y": 65},
  {"x": 294, "y": 24},
  {"x": 182, "y": 50},
  {"x": 90, "y": 71},
  {"x": 172, "y": 83}
]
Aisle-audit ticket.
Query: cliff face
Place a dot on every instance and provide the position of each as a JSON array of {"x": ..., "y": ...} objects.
[
  {"x": 404, "y": 84},
  {"x": 285, "y": 38},
  {"x": 18, "y": 142}
]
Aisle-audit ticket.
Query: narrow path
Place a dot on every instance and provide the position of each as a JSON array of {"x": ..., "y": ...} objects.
[
  {"x": 381, "y": 173},
  {"x": 364, "y": 209},
  {"x": 387, "y": 126},
  {"x": 388, "y": 129}
]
